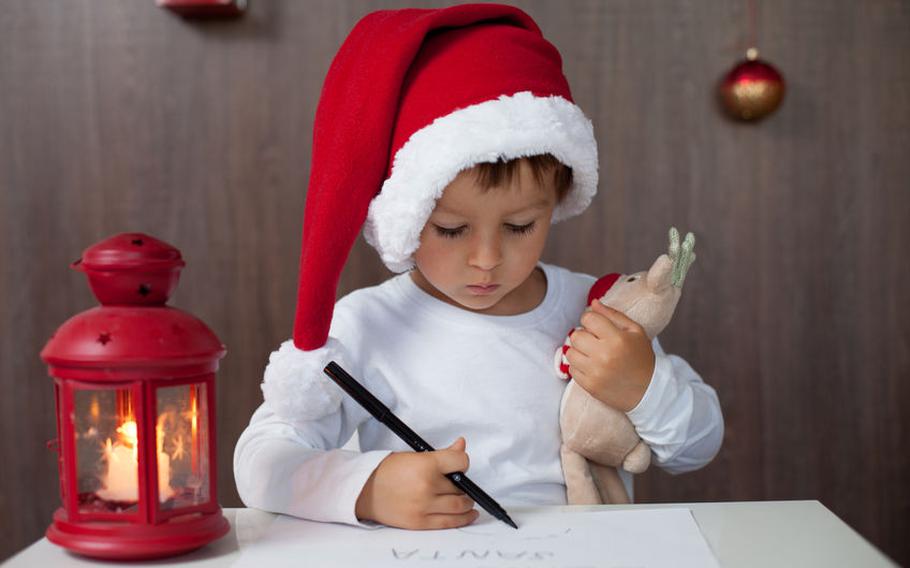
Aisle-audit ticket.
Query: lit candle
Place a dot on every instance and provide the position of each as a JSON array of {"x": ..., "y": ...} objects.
[{"x": 121, "y": 480}]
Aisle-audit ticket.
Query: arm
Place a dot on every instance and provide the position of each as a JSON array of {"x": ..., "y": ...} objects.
[
  {"x": 679, "y": 416},
  {"x": 296, "y": 469},
  {"x": 287, "y": 459}
]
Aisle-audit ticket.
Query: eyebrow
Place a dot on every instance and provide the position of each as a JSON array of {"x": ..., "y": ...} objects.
[{"x": 539, "y": 204}]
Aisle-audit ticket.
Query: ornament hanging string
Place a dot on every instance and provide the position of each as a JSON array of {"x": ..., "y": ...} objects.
[{"x": 752, "y": 37}]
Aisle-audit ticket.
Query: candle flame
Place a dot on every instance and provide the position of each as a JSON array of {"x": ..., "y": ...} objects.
[
  {"x": 95, "y": 409},
  {"x": 128, "y": 432},
  {"x": 193, "y": 410},
  {"x": 129, "y": 437}
]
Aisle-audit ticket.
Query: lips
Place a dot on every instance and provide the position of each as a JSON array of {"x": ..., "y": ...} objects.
[{"x": 483, "y": 288}]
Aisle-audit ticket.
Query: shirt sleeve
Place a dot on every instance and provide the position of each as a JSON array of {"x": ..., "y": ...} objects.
[
  {"x": 297, "y": 469},
  {"x": 296, "y": 466},
  {"x": 679, "y": 416}
]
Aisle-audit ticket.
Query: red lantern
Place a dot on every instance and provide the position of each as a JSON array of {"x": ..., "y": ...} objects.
[{"x": 135, "y": 394}]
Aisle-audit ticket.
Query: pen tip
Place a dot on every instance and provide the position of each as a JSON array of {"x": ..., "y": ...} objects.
[{"x": 510, "y": 522}]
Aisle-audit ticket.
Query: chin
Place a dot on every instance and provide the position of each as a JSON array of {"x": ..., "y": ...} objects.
[{"x": 480, "y": 303}]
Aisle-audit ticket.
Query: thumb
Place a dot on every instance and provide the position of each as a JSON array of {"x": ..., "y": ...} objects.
[{"x": 449, "y": 461}]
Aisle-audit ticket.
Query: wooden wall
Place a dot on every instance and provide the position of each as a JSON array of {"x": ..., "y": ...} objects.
[{"x": 117, "y": 116}]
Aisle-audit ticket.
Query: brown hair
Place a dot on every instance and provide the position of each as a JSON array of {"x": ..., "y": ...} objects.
[{"x": 493, "y": 174}]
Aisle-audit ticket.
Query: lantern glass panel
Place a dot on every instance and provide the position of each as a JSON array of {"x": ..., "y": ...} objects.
[
  {"x": 183, "y": 446},
  {"x": 107, "y": 452},
  {"x": 58, "y": 442}
]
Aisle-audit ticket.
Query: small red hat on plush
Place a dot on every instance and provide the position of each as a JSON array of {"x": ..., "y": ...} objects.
[{"x": 412, "y": 98}]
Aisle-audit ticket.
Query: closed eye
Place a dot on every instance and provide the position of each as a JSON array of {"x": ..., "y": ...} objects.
[
  {"x": 449, "y": 233},
  {"x": 454, "y": 232},
  {"x": 521, "y": 229}
]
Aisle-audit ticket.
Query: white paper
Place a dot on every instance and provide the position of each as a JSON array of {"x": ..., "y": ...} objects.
[{"x": 546, "y": 539}]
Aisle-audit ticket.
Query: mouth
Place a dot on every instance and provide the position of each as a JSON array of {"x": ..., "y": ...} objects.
[{"x": 481, "y": 289}]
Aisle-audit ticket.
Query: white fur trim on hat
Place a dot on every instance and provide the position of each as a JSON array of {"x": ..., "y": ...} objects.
[
  {"x": 508, "y": 127},
  {"x": 295, "y": 385}
]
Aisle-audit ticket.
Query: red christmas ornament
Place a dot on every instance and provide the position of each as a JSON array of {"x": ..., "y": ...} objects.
[
  {"x": 751, "y": 90},
  {"x": 135, "y": 400},
  {"x": 205, "y": 8}
]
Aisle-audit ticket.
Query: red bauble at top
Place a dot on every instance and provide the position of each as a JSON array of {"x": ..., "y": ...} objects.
[{"x": 131, "y": 269}]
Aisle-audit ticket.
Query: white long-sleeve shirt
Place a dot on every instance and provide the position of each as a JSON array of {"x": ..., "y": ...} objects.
[{"x": 449, "y": 372}]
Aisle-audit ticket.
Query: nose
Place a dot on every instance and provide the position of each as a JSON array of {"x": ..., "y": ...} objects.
[{"x": 486, "y": 252}]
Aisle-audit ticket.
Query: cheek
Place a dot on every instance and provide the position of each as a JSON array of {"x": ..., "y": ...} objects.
[
  {"x": 434, "y": 256},
  {"x": 530, "y": 247}
]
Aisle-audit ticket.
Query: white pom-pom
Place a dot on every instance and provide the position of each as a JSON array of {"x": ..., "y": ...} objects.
[{"x": 295, "y": 385}]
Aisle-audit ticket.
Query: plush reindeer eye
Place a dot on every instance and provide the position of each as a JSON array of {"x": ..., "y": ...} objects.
[{"x": 631, "y": 278}]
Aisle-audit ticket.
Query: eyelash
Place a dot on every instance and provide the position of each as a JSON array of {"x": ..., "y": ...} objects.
[{"x": 520, "y": 230}]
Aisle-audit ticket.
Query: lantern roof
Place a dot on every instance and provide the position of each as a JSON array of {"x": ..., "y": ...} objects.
[
  {"x": 114, "y": 337},
  {"x": 133, "y": 334}
]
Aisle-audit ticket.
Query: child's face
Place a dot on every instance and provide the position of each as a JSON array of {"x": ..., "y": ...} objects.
[{"x": 493, "y": 238}]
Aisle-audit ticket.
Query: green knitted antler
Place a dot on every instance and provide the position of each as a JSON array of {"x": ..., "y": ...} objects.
[{"x": 681, "y": 262}]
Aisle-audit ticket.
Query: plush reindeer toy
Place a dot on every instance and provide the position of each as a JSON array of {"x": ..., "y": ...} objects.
[{"x": 598, "y": 439}]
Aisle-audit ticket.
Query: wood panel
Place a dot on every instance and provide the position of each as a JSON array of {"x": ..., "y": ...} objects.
[{"x": 117, "y": 116}]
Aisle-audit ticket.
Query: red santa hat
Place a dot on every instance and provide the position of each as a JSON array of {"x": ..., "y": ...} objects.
[{"x": 412, "y": 98}]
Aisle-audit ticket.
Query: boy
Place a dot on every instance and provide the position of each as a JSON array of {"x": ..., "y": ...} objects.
[{"x": 488, "y": 150}]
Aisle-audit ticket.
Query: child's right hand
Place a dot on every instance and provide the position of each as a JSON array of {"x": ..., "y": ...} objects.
[{"x": 409, "y": 490}]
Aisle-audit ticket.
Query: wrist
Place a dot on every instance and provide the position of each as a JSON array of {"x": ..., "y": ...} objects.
[
  {"x": 363, "y": 508},
  {"x": 637, "y": 392},
  {"x": 633, "y": 397}
]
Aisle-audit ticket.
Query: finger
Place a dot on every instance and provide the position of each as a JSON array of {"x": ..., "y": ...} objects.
[
  {"x": 578, "y": 361},
  {"x": 450, "y": 504},
  {"x": 597, "y": 323},
  {"x": 583, "y": 380},
  {"x": 442, "y": 485},
  {"x": 442, "y": 521},
  {"x": 587, "y": 343},
  {"x": 616, "y": 317}
]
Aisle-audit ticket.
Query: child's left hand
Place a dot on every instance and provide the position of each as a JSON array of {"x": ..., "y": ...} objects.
[{"x": 611, "y": 357}]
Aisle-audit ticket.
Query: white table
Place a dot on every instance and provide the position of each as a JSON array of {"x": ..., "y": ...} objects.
[{"x": 751, "y": 533}]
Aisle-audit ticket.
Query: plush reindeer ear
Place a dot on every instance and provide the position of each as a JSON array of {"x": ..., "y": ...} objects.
[{"x": 658, "y": 277}]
